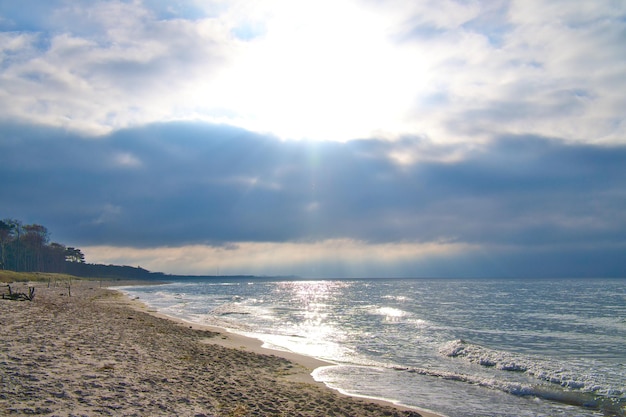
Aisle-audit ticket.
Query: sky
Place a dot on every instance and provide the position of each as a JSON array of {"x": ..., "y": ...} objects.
[{"x": 324, "y": 139}]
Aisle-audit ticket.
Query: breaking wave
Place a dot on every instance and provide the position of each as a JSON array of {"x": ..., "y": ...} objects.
[{"x": 555, "y": 381}]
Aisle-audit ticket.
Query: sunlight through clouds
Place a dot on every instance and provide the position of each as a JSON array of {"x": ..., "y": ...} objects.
[
  {"x": 338, "y": 257},
  {"x": 321, "y": 70}
]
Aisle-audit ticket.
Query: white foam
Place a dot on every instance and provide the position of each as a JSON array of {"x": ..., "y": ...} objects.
[
  {"x": 391, "y": 313},
  {"x": 564, "y": 375},
  {"x": 397, "y": 297}
]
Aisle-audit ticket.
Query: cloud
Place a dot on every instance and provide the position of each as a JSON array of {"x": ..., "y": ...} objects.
[
  {"x": 111, "y": 64},
  {"x": 336, "y": 258},
  {"x": 350, "y": 259},
  {"x": 493, "y": 126},
  {"x": 549, "y": 69},
  {"x": 211, "y": 185},
  {"x": 452, "y": 71}
]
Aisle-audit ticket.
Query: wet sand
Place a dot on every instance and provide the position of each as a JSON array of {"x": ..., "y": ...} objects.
[{"x": 99, "y": 353}]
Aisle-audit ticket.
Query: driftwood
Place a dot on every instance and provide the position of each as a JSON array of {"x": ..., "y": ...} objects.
[{"x": 19, "y": 296}]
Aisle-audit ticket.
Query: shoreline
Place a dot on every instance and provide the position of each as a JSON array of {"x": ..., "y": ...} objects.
[
  {"x": 97, "y": 352},
  {"x": 232, "y": 340}
]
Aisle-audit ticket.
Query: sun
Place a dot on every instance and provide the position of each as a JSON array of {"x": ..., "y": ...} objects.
[{"x": 321, "y": 71}]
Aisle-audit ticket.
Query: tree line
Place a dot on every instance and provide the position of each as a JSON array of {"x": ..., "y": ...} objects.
[{"x": 27, "y": 248}]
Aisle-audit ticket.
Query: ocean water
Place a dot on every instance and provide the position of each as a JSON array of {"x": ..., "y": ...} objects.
[{"x": 461, "y": 348}]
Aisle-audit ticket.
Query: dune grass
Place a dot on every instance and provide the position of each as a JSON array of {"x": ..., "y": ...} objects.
[{"x": 12, "y": 276}]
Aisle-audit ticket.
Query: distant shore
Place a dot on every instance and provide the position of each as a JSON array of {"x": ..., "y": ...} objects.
[{"x": 99, "y": 353}]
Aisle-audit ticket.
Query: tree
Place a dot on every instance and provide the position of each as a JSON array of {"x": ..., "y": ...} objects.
[
  {"x": 74, "y": 255},
  {"x": 5, "y": 237},
  {"x": 27, "y": 248},
  {"x": 54, "y": 259},
  {"x": 12, "y": 252},
  {"x": 35, "y": 239}
]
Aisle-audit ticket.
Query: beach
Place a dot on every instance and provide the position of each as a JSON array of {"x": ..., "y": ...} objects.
[{"x": 97, "y": 352}]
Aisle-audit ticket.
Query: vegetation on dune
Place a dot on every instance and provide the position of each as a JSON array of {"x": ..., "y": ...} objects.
[
  {"x": 13, "y": 276},
  {"x": 27, "y": 248},
  {"x": 26, "y": 254}
]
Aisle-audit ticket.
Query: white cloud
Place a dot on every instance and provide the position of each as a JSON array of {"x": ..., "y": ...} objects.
[
  {"x": 436, "y": 14},
  {"x": 447, "y": 70},
  {"x": 126, "y": 160},
  {"x": 131, "y": 69}
]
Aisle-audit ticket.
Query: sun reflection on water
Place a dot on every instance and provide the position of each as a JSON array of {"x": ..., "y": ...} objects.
[{"x": 313, "y": 320}]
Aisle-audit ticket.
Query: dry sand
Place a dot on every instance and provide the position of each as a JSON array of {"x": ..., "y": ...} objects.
[{"x": 97, "y": 353}]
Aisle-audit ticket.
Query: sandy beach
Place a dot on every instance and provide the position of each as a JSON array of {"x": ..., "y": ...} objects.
[{"x": 99, "y": 353}]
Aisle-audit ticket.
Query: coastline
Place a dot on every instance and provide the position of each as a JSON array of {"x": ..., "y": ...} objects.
[
  {"x": 100, "y": 353},
  {"x": 237, "y": 341}
]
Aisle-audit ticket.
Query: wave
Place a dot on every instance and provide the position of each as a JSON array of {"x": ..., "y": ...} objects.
[
  {"x": 228, "y": 309},
  {"x": 402, "y": 298},
  {"x": 609, "y": 406},
  {"x": 555, "y": 381},
  {"x": 391, "y": 314}
]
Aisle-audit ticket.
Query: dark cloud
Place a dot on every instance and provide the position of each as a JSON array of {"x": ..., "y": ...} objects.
[{"x": 185, "y": 183}]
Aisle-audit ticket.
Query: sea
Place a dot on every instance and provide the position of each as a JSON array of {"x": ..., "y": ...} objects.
[{"x": 457, "y": 347}]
